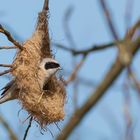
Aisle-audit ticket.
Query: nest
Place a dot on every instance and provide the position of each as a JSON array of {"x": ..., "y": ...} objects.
[{"x": 44, "y": 106}]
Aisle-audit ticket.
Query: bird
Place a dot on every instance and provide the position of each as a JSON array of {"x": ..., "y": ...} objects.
[{"x": 47, "y": 68}]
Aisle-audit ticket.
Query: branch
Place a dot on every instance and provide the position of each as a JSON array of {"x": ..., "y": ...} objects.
[
  {"x": 131, "y": 31},
  {"x": 124, "y": 54},
  {"x": 10, "y": 38},
  {"x": 89, "y": 50},
  {"x": 109, "y": 19},
  {"x": 127, "y": 115},
  {"x": 74, "y": 72},
  {"x": 28, "y": 128},
  {"x": 7, "y": 127},
  {"x": 110, "y": 77},
  {"x": 6, "y": 71},
  {"x": 132, "y": 76},
  {"x": 7, "y": 47},
  {"x": 5, "y": 65}
]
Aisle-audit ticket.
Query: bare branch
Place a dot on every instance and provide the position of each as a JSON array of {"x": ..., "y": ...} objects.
[
  {"x": 5, "y": 65},
  {"x": 109, "y": 19},
  {"x": 127, "y": 115},
  {"x": 132, "y": 31},
  {"x": 9, "y": 130},
  {"x": 28, "y": 128},
  {"x": 10, "y": 38},
  {"x": 74, "y": 72},
  {"x": 132, "y": 76},
  {"x": 110, "y": 77},
  {"x": 89, "y": 50},
  {"x": 8, "y": 47},
  {"x": 123, "y": 52},
  {"x": 6, "y": 71}
]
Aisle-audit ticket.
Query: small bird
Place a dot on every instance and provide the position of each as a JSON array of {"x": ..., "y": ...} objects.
[{"x": 47, "y": 68}]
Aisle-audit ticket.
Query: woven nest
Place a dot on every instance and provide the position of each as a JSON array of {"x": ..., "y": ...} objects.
[{"x": 44, "y": 106}]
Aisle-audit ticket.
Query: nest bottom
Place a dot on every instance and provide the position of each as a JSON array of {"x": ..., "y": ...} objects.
[{"x": 46, "y": 108}]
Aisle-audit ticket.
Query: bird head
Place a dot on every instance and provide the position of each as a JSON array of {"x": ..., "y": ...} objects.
[{"x": 49, "y": 67}]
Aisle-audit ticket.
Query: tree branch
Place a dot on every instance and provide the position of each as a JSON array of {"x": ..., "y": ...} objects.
[
  {"x": 110, "y": 77},
  {"x": 6, "y": 71},
  {"x": 109, "y": 20},
  {"x": 131, "y": 31},
  {"x": 74, "y": 72},
  {"x": 5, "y": 65},
  {"x": 7, "y": 47},
  {"x": 10, "y": 38},
  {"x": 132, "y": 76},
  {"x": 89, "y": 50}
]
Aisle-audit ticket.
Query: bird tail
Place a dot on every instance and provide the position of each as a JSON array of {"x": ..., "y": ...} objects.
[
  {"x": 8, "y": 92},
  {"x": 6, "y": 97}
]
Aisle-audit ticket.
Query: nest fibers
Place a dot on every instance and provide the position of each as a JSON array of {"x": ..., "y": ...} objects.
[{"x": 44, "y": 106}]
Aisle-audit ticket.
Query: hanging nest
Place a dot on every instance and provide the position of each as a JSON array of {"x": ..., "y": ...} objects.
[{"x": 44, "y": 106}]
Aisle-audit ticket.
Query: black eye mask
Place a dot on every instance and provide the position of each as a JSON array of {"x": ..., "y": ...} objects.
[{"x": 51, "y": 65}]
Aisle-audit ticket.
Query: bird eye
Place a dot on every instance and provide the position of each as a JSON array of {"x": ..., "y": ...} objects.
[{"x": 51, "y": 65}]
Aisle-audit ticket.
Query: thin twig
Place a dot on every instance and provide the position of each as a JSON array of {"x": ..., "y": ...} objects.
[
  {"x": 74, "y": 72},
  {"x": 89, "y": 50},
  {"x": 81, "y": 80},
  {"x": 28, "y": 128},
  {"x": 8, "y": 128},
  {"x": 132, "y": 76},
  {"x": 6, "y": 65},
  {"x": 109, "y": 19},
  {"x": 127, "y": 112},
  {"x": 7, "y": 47},
  {"x": 6, "y": 71},
  {"x": 10, "y": 38},
  {"x": 129, "y": 36},
  {"x": 130, "y": 33},
  {"x": 95, "y": 48}
]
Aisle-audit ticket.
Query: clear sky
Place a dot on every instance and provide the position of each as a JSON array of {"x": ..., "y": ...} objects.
[{"x": 106, "y": 120}]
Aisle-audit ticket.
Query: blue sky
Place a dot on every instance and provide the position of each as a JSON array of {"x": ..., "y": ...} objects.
[{"x": 87, "y": 27}]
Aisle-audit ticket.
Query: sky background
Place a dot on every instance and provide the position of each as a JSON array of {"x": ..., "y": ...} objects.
[{"x": 106, "y": 120}]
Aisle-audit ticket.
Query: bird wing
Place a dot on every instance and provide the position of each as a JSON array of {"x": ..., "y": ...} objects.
[
  {"x": 10, "y": 92},
  {"x": 7, "y": 87}
]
